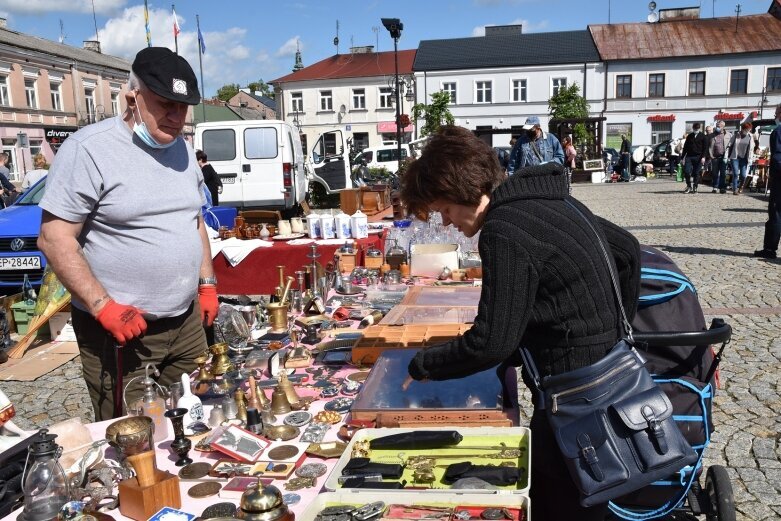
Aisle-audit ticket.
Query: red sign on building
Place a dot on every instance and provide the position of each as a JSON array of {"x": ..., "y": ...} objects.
[
  {"x": 729, "y": 115},
  {"x": 658, "y": 118}
]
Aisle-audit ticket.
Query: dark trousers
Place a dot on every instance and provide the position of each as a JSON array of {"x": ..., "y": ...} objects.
[
  {"x": 171, "y": 344},
  {"x": 553, "y": 495},
  {"x": 773, "y": 224},
  {"x": 673, "y": 166},
  {"x": 719, "y": 173},
  {"x": 215, "y": 196},
  {"x": 625, "y": 166},
  {"x": 691, "y": 171}
]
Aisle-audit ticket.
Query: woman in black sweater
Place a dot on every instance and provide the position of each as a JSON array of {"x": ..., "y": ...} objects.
[
  {"x": 210, "y": 177},
  {"x": 546, "y": 285}
]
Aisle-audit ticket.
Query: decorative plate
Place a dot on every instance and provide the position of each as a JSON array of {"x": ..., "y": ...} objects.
[
  {"x": 340, "y": 405},
  {"x": 329, "y": 392},
  {"x": 329, "y": 449},
  {"x": 355, "y": 291},
  {"x": 298, "y": 418},
  {"x": 288, "y": 236}
]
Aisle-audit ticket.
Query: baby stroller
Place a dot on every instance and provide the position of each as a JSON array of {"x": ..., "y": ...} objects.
[{"x": 685, "y": 365}]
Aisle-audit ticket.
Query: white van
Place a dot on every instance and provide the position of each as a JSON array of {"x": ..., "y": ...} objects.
[
  {"x": 261, "y": 163},
  {"x": 385, "y": 156}
]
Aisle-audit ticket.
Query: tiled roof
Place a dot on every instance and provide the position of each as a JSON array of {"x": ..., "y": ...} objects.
[
  {"x": 353, "y": 66},
  {"x": 509, "y": 50},
  {"x": 33, "y": 43},
  {"x": 214, "y": 113},
  {"x": 269, "y": 102},
  {"x": 679, "y": 38}
]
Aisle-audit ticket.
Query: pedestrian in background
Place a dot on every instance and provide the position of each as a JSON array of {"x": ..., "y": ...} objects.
[
  {"x": 534, "y": 147},
  {"x": 740, "y": 154},
  {"x": 7, "y": 189},
  {"x": 33, "y": 176},
  {"x": 693, "y": 158},
  {"x": 570, "y": 154},
  {"x": 210, "y": 177},
  {"x": 773, "y": 224},
  {"x": 626, "y": 153},
  {"x": 674, "y": 155},
  {"x": 716, "y": 154}
]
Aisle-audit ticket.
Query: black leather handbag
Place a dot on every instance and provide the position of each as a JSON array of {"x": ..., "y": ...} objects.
[{"x": 612, "y": 422}]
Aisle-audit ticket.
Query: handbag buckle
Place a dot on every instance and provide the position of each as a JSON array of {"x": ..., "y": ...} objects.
[
  {"x": 589, "y": 454},
  {"x": 655, "y": 428}
]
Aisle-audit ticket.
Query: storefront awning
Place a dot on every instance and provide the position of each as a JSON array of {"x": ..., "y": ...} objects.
[{"x": 389, "y": 127}]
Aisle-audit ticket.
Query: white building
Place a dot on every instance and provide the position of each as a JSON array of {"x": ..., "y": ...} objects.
[{"x": 352, "y": 92}]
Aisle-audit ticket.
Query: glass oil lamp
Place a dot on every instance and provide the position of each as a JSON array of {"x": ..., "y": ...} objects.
[{"x": 43, "y": 480}]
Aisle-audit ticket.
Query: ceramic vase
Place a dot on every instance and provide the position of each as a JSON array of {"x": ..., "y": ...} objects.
[{"x": 181, "y": 445}]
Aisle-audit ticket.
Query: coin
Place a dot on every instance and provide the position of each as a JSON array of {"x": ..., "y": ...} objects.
[
  {"x": 297, "y": 419},
  {"x": 279, "y": 467},
  {"x": 282, "y": 452},
  {"x": 195, "y": 470},
  {"x": 290, "y": 498},
  {"x": 311, "y": 470},
  {"x": 206, "y": 489},
  {"x": 219, "y": 510}
]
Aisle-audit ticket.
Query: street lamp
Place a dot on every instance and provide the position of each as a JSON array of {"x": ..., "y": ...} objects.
[
  {"x": 394, "y": 27},
  {"x": 762, "y": 101}
]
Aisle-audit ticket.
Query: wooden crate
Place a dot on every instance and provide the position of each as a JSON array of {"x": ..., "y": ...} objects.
[{"x": 377, "y": 339}]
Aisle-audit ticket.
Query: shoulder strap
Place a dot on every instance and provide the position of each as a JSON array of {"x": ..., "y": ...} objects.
[{"x": 535, "y": 149}]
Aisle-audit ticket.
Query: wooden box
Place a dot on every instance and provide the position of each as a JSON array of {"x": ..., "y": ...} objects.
[
  {"x": 140, "y": 503},
  {"x": 375, "y": 199},
  {"x": 377, "y": 339}
]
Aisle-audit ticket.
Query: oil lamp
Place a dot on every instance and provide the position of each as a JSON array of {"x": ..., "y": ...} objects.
[{"x": 43, "y": 480}]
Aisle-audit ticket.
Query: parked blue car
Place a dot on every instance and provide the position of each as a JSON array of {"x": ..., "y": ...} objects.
[{"x": 20, "y": 225}]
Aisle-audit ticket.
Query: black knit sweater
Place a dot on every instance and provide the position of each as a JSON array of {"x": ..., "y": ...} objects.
[{"x": 546, "y": 284}]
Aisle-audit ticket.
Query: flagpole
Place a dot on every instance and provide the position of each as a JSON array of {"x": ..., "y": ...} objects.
[
  {"x": 200, "y": 62},
  {"x": 176, "y": 34},
  {"x": 146, "y": 23}
]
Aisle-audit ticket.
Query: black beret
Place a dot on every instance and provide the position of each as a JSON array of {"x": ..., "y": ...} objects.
[{"x": 167, "y": 74}]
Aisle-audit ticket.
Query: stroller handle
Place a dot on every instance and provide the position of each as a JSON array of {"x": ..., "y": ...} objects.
[{"x": 718, "y": 333}]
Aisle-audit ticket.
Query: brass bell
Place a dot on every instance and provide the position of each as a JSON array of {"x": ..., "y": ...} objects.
[
  {"x": 259, "y": 503},
  {"x": 221, "y": 364},
  {"x": 262, "y": 398},
  {"x": 279, "y": 402},
  {"x": 241, "y": 405},
  {"x": 286, "y": 385},
  {"x": 204, "y": 375},
  {"x": 253, "y": 401}
]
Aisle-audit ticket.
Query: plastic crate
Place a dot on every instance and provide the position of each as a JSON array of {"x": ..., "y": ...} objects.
[{"x": 23, "y": 312}]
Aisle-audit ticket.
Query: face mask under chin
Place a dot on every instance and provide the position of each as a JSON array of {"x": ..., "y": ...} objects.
[{"x": 141, "y": 130}]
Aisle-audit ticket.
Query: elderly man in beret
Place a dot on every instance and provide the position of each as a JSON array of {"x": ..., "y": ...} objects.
[{"x": 123, "y": 231}]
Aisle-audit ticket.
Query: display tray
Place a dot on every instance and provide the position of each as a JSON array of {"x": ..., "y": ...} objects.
[
  {"x": 474, "y": 400},
  {"x": 510, "y": 438},
  {"x": 469, "y": 501},
  {"x": 377, "y": 339}
]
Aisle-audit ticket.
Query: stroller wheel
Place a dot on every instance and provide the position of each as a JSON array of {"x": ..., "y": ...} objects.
[{"x": 720, "y": 495}]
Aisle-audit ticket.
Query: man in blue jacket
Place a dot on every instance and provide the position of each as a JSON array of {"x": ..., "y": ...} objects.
[
  {"x": 534, "y": 147},
  {"x": 773, "y": 224}
]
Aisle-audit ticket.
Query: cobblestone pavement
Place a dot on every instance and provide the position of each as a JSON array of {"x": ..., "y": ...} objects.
[{"x": 711, "y": 237}]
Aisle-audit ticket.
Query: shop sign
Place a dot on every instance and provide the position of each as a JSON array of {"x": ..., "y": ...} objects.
[
  {"x": 56, "y": 135},
  {"x": 729, "y": 115},
  {"x": 659, "y": 118},
  {"x": 389, "y": 127}
]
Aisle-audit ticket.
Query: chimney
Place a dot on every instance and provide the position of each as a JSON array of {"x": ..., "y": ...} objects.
[
  {"x": 681, "y": 13},
  {"x": 3, "y": 23},
  {"x": 503, "y": 30},
  {"x": 363, "y": 49},
  {"x": 92, "y": 45}
]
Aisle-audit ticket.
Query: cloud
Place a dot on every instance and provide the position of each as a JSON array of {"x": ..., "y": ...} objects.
[
  {"x": 103, "y": 7},
  {"x": 289, "y": 47},
  {"x": 528, "y": 27},
  {"x": 226, "y": 59}
]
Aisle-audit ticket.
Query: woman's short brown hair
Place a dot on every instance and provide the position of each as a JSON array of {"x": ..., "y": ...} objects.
[{"x": 455, "y": 166}]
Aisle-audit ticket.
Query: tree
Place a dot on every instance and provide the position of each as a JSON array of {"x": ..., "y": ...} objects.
[
  {"x": 435, "y": 114},
  {"x": 261, "y": 86},
  {"x": 567, "y": 103},
  {"x": 226, "y": 92}
]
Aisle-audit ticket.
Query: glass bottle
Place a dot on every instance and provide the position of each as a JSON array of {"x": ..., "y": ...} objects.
[{"x": 28, "y": 291}]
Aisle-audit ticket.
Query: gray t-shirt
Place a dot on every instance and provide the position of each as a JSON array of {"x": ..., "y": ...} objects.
[{"x": 140, "y": 209}]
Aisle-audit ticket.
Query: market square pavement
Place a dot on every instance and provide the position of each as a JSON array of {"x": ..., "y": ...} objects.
[{"x": 711, "y": 237}]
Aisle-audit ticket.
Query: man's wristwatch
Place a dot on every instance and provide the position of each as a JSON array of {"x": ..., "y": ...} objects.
[{"x": 207, "y": 280}]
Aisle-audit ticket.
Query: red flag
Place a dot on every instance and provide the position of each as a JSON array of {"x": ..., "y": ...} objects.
[{"x": 176, "y": 24}]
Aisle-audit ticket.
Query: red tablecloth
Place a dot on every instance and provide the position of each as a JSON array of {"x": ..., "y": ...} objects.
[{"x": 258, "y": 275}]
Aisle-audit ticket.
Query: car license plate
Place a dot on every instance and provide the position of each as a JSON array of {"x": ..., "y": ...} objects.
[
  {"x": 31, "y": 262},
  {"x": 228, "y": 180}
]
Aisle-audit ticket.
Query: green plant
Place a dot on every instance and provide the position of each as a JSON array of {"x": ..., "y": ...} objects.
[
  {"x": 226, "y": 92},
  {"x": 262, "y": 87},
  {"x": 567, "y": 103},
  {"x": 434, "y": 114},
  {"x": 319, "y": 198}
]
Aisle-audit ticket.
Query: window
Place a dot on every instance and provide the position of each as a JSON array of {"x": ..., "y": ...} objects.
[
  {"x": 303, "y": 143},
  {"x": 690, "y": 126},
  {"x": 326, "y": 100},
  {"x": 483, "y": 92},
  {"x": 115, "y": 102},
  {"x": 219, "y": 145},
  {"x": 260, "y": 143},
  {"x": 738, "y": 81},
  {"x": 5, "y": 100},
  {"x": 557, "y": 84},
  {"x": 56, "y": 96},
  {"x": 697, "y": 83},
  {"x": 624, "y": 86},
  {"x": 359, "y": 98},
  {"x": 29, "y": 92},
  {"x": 89, "y": 101},
  {"x": 519, "y": 90},
  {"x": 297, "y": 102},
  {"x": 386, "y": 97},
  {"x": 360, "y": 140},
  {"x": 774, "y": 79},
  {"x": 656, "y": 85},
  {"x": 450, "y": 88},
  {"x": 661, "y": 132},
  {"x": 36, "y": 147}
]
